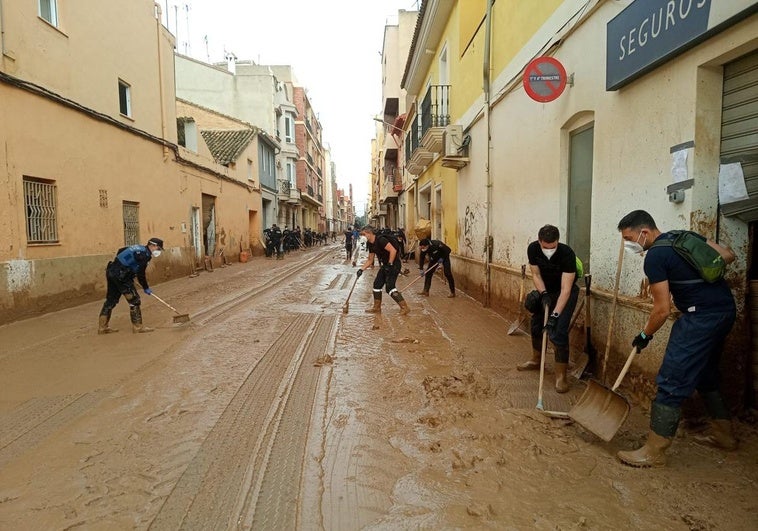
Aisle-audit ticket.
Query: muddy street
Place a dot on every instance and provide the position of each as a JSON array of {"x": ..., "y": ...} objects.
[{"x": 273, "y": 409}]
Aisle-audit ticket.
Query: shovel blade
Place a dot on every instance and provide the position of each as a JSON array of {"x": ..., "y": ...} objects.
[
  {"x": 580, "y": 364},
  {"x": 182, "y": 318},
  {"x": 515, "y": 326},
  {"x": 345, "y": 308},
  {"x": 600, "y": 410}
]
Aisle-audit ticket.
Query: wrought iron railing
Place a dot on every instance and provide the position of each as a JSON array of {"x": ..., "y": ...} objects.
[{"x": 435, "y": 108}]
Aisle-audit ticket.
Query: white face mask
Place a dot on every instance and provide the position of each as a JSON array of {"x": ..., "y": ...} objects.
[
  {"x": 548, "y": 252},
  {"x": 635, "y": 247},
  {"x": 156, "y": 253}
]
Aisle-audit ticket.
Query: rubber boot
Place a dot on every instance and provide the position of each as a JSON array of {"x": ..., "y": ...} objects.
[
  {"x": 137, "y": 327},
  {"x": 561, "y": 382},
  {"x": 377, "y": 308},
  {"x": 103, "y": 327},
  {"x": 534, "y": 363},
  {"x": 719, "y": 435},
  {"x": 663, "y": 423},
  {"x": 424, "y": 293},
  {"x": 452, "y": 295},
  {"x": 398, "y": 298}
]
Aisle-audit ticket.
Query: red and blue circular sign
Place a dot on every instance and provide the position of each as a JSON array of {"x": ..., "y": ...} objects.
[{"x": 544, "y": 79}]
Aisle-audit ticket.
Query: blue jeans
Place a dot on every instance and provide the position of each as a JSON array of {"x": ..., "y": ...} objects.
[{"x": 692, "y": 356}]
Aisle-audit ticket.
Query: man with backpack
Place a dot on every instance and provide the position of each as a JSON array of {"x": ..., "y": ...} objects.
[
  {"x": 387, "y": 249},
  {"x": 678, "y": 268},
  {"x": 553, "y": 265}
]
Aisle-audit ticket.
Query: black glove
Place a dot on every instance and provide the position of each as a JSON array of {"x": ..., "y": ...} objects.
[
  {"x": 359, "y": 273},
  {"x": 640, "y": 341},
  {"x": 545, "y": 300},
  {"x": 552, "y": 322},
  {"x": 421, "y": 272},
  {"x": 388, "y": 269}
]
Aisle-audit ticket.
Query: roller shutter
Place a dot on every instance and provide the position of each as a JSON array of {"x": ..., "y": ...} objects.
[{"x": 739, "y": 130}]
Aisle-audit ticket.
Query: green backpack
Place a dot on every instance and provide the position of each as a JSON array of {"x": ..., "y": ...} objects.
[
  {"x": 709, "y": 264},
  {"x": 579, "y": 269}
]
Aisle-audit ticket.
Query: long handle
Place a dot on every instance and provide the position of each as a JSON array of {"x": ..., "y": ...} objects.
[
  {"x": 542, "y": 360},
  {"x": 576, "y": 313},
  {"x": 613, "y": 308},
  {"x": 165, "y": 303},
  {"x": 422, "y": 275},
  {"x": 626, "y": 368},
  {"x": 351, "y": 289}
]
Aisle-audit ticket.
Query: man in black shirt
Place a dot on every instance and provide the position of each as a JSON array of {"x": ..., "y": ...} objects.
[
  {"x": 437, "y": 252},
  {"x": 387, "y": 249},
  {"x": 553, "y": 267},
  {"x": 348, "y": 243}
]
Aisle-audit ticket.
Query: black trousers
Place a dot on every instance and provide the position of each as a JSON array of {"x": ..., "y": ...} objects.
[
  {"x": 448, "y": 275},
  {"x": 120, "y": 282}
]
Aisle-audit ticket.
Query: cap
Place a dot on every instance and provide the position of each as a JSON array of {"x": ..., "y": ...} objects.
[
  {"x": 156, "y": 241},
  {"x": 425, "y": 242}
]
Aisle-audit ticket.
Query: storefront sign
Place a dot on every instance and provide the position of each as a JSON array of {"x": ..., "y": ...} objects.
[{"x": 650, "y": 32}]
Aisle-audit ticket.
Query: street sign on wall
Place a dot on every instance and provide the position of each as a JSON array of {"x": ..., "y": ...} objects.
[{"x": 544, "y": 79}]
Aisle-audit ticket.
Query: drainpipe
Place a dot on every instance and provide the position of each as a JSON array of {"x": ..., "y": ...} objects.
[
  {"x": 488, "y": 203},
  {"x": 164, "y": 129},
  {"x": 2, "y": 31}
]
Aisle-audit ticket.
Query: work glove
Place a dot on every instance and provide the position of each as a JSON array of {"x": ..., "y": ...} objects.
[
  {"x": 388, "y": 269},
  {"x": 545, "y": 300},
  {"x": 641, "y": 341},
  {"x": 421, "y": 272},
  {"x": 148, "y": 291},
  {"x": 552, "y": 322},
  {"x": 359, "y": 273},
  {"x": 440, "y": 261}
]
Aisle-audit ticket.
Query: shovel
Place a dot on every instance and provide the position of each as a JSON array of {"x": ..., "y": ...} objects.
[
  {"x": 346, "y": 306},
  {"x": 179, "y": 317},
  {"x": 601, "y": 410},
  {"x": 520, "y": 319},
  {"x": 589, "y": 354},
  {"x": 540, "y": 405}
]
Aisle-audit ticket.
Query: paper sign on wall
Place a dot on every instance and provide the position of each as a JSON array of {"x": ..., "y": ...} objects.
[{"x": 732, "y": 183}]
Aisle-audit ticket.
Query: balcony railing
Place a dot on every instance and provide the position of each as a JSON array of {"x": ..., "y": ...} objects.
[
  {"x": 284, "y": 188},
  {"x": 435, "y": 108},
  {"x": 310, "y": 190}
]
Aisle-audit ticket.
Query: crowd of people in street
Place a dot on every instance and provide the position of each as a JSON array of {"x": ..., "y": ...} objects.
[{"x": 692, "y": 354}]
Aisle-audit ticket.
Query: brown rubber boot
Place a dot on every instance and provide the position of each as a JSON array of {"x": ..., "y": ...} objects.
[
  {"x": 719, "y": 435},
  {"x": 424, "y": 293},
  {"x": 103, "y": 327},
  {"x": 561, "y": 383},
  {"x": 136, "y": 317},
  {"x": 651, "y": 454},
  {"x": 452, "y": 295},
  {"x": 531, "y": 365},
  {"x": 139, "y": 328},
  {"x": 377, "y": 308},
  {"x": 404, "y": 308}
]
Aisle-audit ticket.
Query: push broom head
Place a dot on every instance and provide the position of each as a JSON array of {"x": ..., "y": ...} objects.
[{"x": 181, "y": 318}]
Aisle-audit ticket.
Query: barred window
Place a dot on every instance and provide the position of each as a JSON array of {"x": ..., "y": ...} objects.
[
  {"x": 131, "y": 223},
  {"x": 41, "y": 202}
]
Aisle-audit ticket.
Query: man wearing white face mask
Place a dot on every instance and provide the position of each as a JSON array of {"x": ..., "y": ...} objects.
[
  {"x": 553, "y": 266},
  {"x": 697, "y": 337},
  {"x": 130, "y": 262}
]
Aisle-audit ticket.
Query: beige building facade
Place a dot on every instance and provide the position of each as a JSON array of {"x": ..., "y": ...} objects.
[{"x": 90, "y": 159}]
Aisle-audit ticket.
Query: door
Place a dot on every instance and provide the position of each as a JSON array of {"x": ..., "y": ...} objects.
[{"x": 580, "y": 193}]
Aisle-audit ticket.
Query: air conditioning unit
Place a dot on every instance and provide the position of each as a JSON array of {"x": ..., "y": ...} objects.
[{"x": 453, "y": 140}]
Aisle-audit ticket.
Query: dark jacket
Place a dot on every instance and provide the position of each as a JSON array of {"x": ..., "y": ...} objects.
[{"x": 435, "y": 251}]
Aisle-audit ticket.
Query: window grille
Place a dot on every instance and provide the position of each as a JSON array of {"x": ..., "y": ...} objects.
[
  {"x": 131, "y": 223},
  {"x": 40, "y": 199}
]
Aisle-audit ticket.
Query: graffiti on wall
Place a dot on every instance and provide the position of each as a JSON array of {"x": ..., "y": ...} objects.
[{"x": 469, "y": 222}]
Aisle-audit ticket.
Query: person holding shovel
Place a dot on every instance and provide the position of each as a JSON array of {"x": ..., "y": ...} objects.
[
  {"x": 438, "y": 253},
  {"x": 387, "y": 249},
  {"x": 553, "y": 266},
  {"x": 691, "y": 360},
  {"x": 130, "y": 262}
]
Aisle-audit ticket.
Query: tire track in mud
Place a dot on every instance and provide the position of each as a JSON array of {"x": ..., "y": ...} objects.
[{"x": 221, "y": 486}]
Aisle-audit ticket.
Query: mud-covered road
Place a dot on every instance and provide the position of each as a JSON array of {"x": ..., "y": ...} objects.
[{"x": 273, "y": 409}]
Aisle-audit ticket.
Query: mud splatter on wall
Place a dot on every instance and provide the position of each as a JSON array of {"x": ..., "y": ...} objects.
[{"x": 20, "y": 274}]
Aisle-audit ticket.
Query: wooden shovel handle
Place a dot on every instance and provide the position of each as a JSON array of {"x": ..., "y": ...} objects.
[
  {"x": 626, "y": 368},
  {"x": 613, "y": 308}
]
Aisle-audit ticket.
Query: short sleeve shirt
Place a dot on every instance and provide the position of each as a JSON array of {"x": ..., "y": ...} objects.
[
  {"x": 552, "y": 269},
  {"x": 379, "y": 247},
  {"x": 663, "y": 263}
]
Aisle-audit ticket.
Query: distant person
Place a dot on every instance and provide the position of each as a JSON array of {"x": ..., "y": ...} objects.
[
  {"x": 386, "y": 248},
  {"x": 130, "y": 262},
  {"x": 693, "y": 351},
  {"x": 349, "y": 243},
  {"x": 439, "y": 253}
]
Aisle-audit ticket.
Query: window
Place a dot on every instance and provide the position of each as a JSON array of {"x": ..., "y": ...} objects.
[
  {"x": 250, "y": 171},
  {"x": 291, "y": 171},
  {"x": 289, "y": 127},
  {"x": 131, "y": 223},
  {"x": 124, "y": 98},
  {"x": 41, "y": 202},
  {"x": 48, "y": 10}
]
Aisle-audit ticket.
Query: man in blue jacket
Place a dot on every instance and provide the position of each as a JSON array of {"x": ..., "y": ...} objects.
[{"x": 130, "y": 262}]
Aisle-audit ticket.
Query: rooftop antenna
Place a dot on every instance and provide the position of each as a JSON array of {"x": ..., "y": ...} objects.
[
  {"x": 207, "y": 53},
  {"x": 187, "y": 47}
]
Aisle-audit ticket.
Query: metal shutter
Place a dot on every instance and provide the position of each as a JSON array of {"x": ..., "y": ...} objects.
[{"x": 739, "y": 130}]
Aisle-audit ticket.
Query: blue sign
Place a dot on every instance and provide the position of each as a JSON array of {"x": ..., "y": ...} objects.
[{"x": 650, "y": 32}]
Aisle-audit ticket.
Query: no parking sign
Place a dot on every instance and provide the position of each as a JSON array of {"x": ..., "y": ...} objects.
[{"x": 544, "y": 79}]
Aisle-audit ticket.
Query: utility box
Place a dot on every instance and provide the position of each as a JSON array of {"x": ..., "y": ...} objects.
[{"x": 453, "y": 140}]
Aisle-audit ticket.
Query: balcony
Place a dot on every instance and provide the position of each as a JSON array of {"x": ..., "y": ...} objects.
[
  {"x": 435, "y": 116},
  {"x": 283, "y": 190},
  {"x": 294, "y": 198}
]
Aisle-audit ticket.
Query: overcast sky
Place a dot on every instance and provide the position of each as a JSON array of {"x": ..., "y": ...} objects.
[{"x": 334, "y": 47}]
